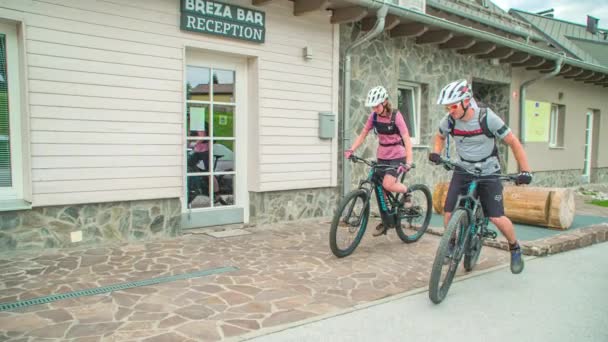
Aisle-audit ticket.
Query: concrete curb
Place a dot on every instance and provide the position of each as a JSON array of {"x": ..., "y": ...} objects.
[{"x": 569, "y": 240}]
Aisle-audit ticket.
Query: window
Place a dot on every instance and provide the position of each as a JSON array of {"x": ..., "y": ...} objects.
[
  {"x": 556, "y": 127},
  {"x": 11, "y": 173},
  {"x": 408, "y": 102}
]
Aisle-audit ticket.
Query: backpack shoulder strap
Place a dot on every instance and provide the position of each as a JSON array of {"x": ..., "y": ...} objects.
[
  {"x": 451, "y": 123},
  {"x": 483, "y": 122}
]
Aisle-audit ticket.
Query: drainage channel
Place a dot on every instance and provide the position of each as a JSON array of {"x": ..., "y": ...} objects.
[{"x": 112, "y": 288}]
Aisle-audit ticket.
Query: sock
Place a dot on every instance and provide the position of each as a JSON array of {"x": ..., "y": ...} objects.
[{"x": 513, "y": 246}]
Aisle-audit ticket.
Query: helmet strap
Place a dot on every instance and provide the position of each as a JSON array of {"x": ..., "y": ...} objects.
[{"x": 465, "y": 109}]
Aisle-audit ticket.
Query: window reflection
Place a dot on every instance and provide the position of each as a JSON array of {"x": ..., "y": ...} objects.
[
  {"x": 223, "y": 86},
  {"x": 197, "y": 85},
  {"x": 223, "y": 121}
]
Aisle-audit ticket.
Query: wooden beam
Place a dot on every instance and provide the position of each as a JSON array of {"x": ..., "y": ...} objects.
[
  {"x": 389, "y": 23},
  {"x": 301, "y": 7},
  {"x": 517, "y": 57},
  {"x": 260, "y": 2},
  {"x": 499, "y": 52},
  {"x": 548, "y": 65},
  {"x": 575, "y": 72},
  {"x": 481, "y": 48},
  {"x": 565, "y": 68},
  {"x": 585, "y": 76},
  {"x": 408, "y": 30},
  {"x": 460, "y": 42},
  {"x": 533, "y": 61},
  {"x": 348, "y": 15},
  {"x": 435, "y": 37},
  {"x": 600, "y": 78}
]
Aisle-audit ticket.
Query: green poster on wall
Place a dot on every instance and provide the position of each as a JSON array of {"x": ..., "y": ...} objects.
[{"x": 537, "y": 121}]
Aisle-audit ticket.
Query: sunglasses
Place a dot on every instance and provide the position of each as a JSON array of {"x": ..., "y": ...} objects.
[{"x": 451, "y": 107}]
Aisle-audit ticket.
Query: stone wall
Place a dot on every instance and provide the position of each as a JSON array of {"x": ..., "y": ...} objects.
[
  {"x": 561, "y": 178},
  {"x": 277, "y": 206},
  {"x": 387, "y": 61},
  {"x": 599, "y": 175},
  {"x": 51, "y": 227}
]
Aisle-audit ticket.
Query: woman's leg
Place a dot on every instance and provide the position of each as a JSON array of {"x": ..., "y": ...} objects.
[{"x": 391, "y": 184}]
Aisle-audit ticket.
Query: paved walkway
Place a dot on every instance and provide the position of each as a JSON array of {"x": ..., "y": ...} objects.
[
  {"x": 286, "y": 273},
  {"x": 561, "y": 298}
]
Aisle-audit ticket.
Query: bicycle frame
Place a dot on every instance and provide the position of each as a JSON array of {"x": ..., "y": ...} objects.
[
  {"x": 470, "y": 203},
  {"x": 388, "y": 211}
]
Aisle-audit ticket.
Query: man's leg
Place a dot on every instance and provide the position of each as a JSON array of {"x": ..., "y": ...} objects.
[
  {"x": 506, "y": 228},
  {"x": 490, "y": 194}
]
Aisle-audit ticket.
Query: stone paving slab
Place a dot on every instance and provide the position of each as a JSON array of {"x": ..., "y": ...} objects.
[{"x": 286, "y": 274}]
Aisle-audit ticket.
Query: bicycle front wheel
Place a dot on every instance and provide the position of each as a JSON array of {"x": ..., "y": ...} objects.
[
  {"x": 415, "y": 213},
  {"x": 448, "y": 255},
  {"x": 349, "y": 223},
  {"x": 475, "y": 243}
]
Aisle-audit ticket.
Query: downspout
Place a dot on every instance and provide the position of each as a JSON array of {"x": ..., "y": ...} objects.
[
  {"x": 522, "y": 95},
  {"x": 346, "y": 140}
]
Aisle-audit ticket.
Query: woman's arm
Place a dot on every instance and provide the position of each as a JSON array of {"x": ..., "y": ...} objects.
[
  {"x": 409, "y": 151},
  {"x": 360, "y": 139}
]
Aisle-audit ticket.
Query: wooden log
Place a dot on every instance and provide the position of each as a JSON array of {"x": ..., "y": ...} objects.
[{"x": 548, "y": 207}]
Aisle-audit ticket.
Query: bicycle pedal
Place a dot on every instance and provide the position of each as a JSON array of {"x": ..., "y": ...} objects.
[{"x": 490, "y": 234}]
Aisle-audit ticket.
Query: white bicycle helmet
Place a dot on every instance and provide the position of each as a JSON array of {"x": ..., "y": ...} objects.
[
  {"x": 376, "y": 96},
  {"x": 455, "y": 92}
]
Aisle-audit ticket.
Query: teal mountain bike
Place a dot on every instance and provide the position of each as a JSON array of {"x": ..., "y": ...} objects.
[
  {"x": 408, "y": 213},
  {"x": 464, "y": 234}
]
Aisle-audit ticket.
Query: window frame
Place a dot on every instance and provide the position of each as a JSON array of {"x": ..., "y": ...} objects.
[
  {"x": 416, "y": 91},
  {"x": 557, "y": 118},
  {"x": 16, "y": 190}
]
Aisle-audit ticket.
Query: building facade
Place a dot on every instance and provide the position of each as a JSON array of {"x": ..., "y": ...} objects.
[
  {"x": 135, "y": 119},
  {"x": 132, "y": 119}
]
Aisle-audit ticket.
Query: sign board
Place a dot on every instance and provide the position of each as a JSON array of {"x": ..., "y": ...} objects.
[
  {"x": 218, "y": 18},
  {"x": 537, "y": 121}
]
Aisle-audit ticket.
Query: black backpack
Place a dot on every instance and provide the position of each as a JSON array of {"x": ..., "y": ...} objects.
[
  {"x": 387, "y": 129},
  {"x": 483, "y": 123}
]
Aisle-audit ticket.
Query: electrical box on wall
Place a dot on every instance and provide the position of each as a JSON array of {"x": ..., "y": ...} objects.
[{"x": 327, "y": 125}]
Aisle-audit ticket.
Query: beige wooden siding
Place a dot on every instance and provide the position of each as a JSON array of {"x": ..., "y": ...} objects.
[{"x": 106, "y": 98}]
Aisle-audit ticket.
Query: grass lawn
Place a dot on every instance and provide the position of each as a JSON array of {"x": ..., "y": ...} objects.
[{"x": 601, "y": 203}]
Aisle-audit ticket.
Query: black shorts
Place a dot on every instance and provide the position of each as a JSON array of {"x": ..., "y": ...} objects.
[
  {"x": 489, "y": 189},
  {"x": 392, "y": 162}
]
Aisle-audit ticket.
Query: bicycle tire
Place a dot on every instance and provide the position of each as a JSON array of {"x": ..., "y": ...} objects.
[
  {"x": 337, "y": 219},
  {"x": 437, "y": 290},
  {"x": 475, "y": 243},
  {"x": 413, "y": 211}
]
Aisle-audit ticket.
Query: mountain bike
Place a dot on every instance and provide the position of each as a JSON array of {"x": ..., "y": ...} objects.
[
  {"x": 408, "y": 213},
  {"x": 464, "y": 234}
]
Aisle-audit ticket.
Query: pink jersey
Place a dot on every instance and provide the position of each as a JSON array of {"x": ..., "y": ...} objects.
[{"x": 393, "y": 151}]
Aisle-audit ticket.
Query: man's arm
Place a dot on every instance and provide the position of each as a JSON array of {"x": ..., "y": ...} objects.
[
  {"x": 438, "y": 143},
  {"x": 518, "y": 152}
]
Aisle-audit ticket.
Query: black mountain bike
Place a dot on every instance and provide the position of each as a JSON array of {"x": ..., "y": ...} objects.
[
  {"x": 467, "y": 229},
  {"x": 408, "y": 213}
]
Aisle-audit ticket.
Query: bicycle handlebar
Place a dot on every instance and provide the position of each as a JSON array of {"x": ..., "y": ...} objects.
[
  {"x": 450, "y": 166},
  {"x": 371, "y": 163}
]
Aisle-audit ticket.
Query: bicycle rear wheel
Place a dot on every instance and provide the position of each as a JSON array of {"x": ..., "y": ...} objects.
[
  {"x": 415, "y": 214},
  {"x": 475, "y": 242},
  {"x": 446, "y": 261},
  {"x": 349, "y": 223}
]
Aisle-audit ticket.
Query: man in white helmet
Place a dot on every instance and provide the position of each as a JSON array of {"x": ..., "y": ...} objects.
[
  {"x": 395, "y": 147},
  {"x": 475, "y": 131}
]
